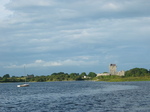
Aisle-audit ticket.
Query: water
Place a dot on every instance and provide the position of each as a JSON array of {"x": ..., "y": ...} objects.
[{"x": 76, "y": 96}]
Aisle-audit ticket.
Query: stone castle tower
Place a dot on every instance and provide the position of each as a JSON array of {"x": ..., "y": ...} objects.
[{"x": 113, "y": 69}]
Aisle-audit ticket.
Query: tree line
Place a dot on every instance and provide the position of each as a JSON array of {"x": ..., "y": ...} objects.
[{"x": 61, "y": 76}]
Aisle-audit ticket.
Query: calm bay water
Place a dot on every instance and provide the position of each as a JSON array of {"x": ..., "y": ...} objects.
[{"x": 76, "y": 96}]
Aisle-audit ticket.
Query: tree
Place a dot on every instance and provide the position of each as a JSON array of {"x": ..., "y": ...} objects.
[
  {"x": 83, "y": 74},
  {"x": 74, "y": 76},
  {"x": 6, "y": 76},
  {"x": 92, "y": 74}
]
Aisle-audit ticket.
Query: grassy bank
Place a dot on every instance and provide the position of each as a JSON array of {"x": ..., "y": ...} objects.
[{"x": 122, "y": 79}]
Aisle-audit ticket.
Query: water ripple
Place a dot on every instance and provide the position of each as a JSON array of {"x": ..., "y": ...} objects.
[{"x": 76, "y": 96}]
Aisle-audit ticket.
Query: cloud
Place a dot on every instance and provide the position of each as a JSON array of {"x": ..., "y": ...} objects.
[
  {"x": 111, "y": 6},
  {"x": 64, "y": 33},
  {"x": 67, "y": 62},
  {"x": 36, "y": 63},
  {"x": 5, "y": 13},
  {"x": 21, "y": 4}
]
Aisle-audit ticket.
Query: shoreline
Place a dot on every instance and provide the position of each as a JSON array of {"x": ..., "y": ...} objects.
[{"x": 118, "y": 79}]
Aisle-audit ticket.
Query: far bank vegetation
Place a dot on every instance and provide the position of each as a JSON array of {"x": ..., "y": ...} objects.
[{"x": 135, "y": 74}]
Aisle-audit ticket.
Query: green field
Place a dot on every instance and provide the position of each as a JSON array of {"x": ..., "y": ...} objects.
[{"x": 122, "y": 79}]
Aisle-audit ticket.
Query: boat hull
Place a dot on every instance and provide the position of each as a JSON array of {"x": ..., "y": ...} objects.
[{"x": 23, "y": 85}]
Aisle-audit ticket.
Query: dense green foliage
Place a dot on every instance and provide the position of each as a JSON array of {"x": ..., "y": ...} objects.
[
  {"x": 61, "y": 76},
  {"x": 92, "y": 74},
  {"x": 6, "y": 76},
  {"x": 135, "y": 74}
]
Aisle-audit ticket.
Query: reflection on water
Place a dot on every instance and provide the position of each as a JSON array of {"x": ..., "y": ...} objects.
[{"x": 76, "y": 96}]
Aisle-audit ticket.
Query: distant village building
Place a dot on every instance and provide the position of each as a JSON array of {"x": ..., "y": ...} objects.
[
  {"x": 85, "y": 77},
  {"x": 112, "y": 71},
  {"x": 30, "y": 76}
]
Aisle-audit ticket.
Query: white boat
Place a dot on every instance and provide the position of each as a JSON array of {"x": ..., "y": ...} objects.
[{"x": 23, "y": 85}]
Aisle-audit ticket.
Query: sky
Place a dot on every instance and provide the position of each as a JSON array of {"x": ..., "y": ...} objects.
[{"x": 73, "y": 36}]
